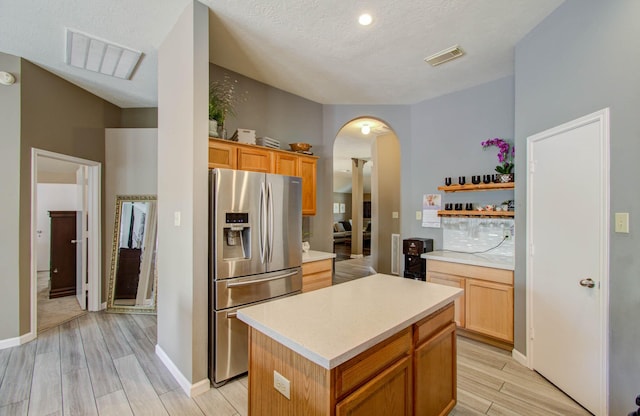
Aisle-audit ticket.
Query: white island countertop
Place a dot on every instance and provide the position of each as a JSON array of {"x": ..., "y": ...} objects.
[
  {"x": 495, "y": 261},
  {"x": 332, "y": 325},
  {"x": 313, "y": 255}
]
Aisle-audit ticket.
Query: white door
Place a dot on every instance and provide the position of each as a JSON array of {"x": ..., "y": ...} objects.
[
  {"x": 567, "y": 233},
  {"x": 81, "y": 237}
]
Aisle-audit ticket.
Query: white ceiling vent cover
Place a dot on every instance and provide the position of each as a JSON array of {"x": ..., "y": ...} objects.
[
  {"x": 444, "y": 56},
  {"x": 97, "y": 55}
]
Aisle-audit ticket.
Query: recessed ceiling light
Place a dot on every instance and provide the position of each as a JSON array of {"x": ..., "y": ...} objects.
[
  {"x": 365, "y": 19},
  {"x": 365, "y": 129}
]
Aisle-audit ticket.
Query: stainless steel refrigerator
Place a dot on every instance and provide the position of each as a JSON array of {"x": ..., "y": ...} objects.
[{"x": 255, "y": 255}]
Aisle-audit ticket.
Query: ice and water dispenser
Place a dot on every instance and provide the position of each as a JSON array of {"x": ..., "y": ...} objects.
[{"x": 237, "y": 236}]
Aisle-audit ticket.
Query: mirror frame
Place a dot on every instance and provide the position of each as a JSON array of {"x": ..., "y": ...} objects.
[{"x": 149, "y": 310}]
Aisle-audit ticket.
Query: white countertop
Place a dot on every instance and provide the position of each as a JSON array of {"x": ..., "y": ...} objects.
[
  {"x": 313, "y": 255},
  {"x": 332, "y": 325},
  {"x": 485, "y": 260}
]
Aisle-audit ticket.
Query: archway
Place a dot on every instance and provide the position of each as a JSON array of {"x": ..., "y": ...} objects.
[{"x": 366, "y": 157}]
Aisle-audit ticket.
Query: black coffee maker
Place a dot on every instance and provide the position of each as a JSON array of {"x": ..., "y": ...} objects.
[{"x": 415, "y": 267}]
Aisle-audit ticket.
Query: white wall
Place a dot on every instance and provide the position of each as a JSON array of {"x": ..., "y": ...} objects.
[
  {"x": 51, "y": 197},
  {"x": 131, "y": 168}
]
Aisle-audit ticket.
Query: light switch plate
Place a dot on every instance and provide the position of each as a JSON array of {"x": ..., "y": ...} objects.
[
  {"x": 395, "y": 214},
  {"x": 418, "y": 215},
  {"x": 176, "y": 218},
  {"x": 622, "y": 222}
]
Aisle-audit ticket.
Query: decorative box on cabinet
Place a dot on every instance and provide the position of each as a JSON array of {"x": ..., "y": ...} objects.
[
  {"x": 485, "y": 311},
  {"x": 232, "y": 155}
]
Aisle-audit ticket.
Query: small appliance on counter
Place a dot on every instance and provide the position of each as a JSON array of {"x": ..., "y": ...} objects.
[{"x": 415, "y": 267}]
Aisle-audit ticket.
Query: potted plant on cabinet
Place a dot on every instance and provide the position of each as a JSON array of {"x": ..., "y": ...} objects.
[
  {"x": 506, "y": 154},
  {"x": 222, "y": 98}
]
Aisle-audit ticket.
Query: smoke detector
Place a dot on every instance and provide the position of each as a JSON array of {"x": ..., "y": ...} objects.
[{"x": 444, "y": 56}]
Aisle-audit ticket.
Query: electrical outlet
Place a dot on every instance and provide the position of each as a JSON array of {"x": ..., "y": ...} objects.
[
  {"x": 506, "y": 233},
  {"x": 282, "y": 384},
  {"x": 418, "y": 215}
]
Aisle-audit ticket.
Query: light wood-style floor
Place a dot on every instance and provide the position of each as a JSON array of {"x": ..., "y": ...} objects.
[
  {"x": 53, "y": 312},
  {"x": 347, "y": 270},
  {"x": 105, "y": 364}
]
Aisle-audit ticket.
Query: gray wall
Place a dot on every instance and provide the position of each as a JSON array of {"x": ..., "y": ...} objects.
[
  {"x": 139, "y": 117},
  {"x": 63, "y": 118},
  {"x": 10, "y": 207},
  {"x": 582, "y": 58},
  {"x": 386, "y": 199},
  {"x": 182, "y": 187},
  {"x": 397, "y": 117},
  {"x": 445, "y": 141},
  {"x": 272, "y": 112}
]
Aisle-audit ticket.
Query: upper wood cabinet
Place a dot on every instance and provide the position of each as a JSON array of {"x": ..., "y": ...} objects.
[{"x": 232, "y": 155}]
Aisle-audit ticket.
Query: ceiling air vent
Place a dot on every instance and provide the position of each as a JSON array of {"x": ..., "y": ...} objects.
[
  {"x": 444, "y": 56},
  {"x": 87, "y": 52}
]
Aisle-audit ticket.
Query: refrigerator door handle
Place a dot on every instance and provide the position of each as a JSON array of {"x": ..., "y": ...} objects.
[
  {"x": 263, "y": 225},
  {"x": 253, "y": 282},
  {"x": 271, "y": 216}
]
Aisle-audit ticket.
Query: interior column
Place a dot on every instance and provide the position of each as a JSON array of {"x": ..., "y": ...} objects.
[{"x": 357, "y": 166}]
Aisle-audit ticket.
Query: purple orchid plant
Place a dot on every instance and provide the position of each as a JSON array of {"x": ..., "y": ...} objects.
[{"x": 506, "y": 154}]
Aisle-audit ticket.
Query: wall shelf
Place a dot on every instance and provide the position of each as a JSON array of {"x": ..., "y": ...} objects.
[
  {"x": 476, "y": 213},
  {"x": 478, "y": 187}
]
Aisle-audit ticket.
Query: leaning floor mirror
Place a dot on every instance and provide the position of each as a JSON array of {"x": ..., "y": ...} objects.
[{"x": 133, "y": 278}]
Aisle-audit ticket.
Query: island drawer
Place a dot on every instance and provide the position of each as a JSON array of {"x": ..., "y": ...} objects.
[
  {"x": 367, "y": 365},
  {"x": 427, "y": 327}
]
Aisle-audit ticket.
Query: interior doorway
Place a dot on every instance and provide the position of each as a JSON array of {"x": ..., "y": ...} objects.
[
  {"x": 62, "y": 183},
  {"x": 361, "y": 147}
]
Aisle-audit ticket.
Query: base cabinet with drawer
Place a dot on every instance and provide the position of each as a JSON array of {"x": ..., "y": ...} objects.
[
  {"x": 410, "y": 373},
  {"x": 232, "y": 155},
  {"x": 317, "y": 274},
  {"x": 485, "y": 311}
]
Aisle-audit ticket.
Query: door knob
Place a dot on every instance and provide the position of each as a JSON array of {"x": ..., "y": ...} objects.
[{"x": 587, "y": 283}]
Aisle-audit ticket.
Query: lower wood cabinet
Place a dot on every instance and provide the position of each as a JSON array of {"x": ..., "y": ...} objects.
[
  {"x": 410, "y": 373},
  {"x": 316, "y": 274},
  {"x": 388, "y": 393},
  {"x": 485, "y": 311}
]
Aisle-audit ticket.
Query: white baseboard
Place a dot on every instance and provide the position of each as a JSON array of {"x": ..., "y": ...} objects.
[
  {"x": 520, "y": 358},
  {"x": 190, "y": 390},
  {"x": 357, "y": 256},
  {"x": 103, "y": 306},
  {"x": 14, "y": 342}
]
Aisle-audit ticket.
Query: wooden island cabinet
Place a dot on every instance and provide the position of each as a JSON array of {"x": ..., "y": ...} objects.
[
  {"x": 232, "y": 155},
  {"x": 412, "y": 371}
]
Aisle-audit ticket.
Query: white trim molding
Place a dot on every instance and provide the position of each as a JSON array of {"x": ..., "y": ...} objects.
[
  {"x": 520, "y": 358},
  {"x": 190, "y": 390},
  {"x": 14, "y": 342}
]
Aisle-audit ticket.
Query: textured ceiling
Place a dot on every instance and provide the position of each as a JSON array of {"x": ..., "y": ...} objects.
[{"x": 312, "y": 48}]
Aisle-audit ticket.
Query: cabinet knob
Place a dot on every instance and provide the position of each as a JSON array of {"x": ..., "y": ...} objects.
[{"x": 55, "y": 270}]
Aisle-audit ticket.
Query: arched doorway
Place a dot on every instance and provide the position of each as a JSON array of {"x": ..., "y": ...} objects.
[{"x": 366, "y": 195}]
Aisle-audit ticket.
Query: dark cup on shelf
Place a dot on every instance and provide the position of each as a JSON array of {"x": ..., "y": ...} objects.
[
  {"x": 447, "y": 181},
  {"x": 476, "y": 179},
  {"x": 494, "y": 177},
  {"x": 487, "y": 178},
  {"x": 462, "y": 180},
  {"x": 448, "y": 206},
  {"x": 458, "y": 206},
  {"x": 468, "y": 206}
]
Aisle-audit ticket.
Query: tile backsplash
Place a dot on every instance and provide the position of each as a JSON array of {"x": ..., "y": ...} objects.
[{"x": 479, "y": 234}]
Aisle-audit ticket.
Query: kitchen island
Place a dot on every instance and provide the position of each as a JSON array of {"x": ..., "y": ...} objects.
[{"x": 379, "y": 345}]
